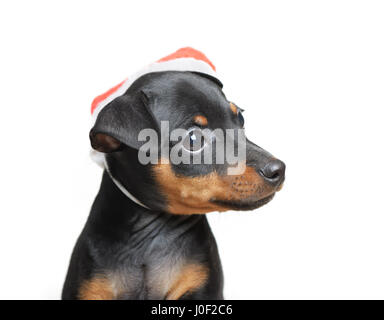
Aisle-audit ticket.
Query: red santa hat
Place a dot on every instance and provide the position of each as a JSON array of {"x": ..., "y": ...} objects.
[{"x": 184, "y": 59}]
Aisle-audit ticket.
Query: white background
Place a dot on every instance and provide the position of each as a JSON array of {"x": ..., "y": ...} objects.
[{"x": 310, "y": 75}]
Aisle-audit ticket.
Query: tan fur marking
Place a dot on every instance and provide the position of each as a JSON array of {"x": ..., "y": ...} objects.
[
  {"x": 189, "y": 195},
  {"x": 96, "y": 289},
  {"x": 200, "y": 120},
  {"x": 104, "y": 143},
  {"x": 191, "y": 278},
  {"x": 233, "y": 108}
]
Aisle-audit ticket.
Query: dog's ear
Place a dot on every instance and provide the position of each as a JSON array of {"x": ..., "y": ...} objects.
[{"x": 120, "y": 122}]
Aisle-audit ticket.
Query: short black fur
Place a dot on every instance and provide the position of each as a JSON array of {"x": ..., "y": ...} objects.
[{"x": 128, "y": 243}]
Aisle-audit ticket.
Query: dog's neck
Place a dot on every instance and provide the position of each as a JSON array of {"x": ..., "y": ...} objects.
[
  {"x": 116, "y": 216},
  {"x": 121, "y": 187}
]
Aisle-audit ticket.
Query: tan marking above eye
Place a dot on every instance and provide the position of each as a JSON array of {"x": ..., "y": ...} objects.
[
  {"x": 233, "y": 107},
  {"x": 190, "y": 278},
  {"x": 200, "y": 120},
  {"x": 193, "y": 195}
]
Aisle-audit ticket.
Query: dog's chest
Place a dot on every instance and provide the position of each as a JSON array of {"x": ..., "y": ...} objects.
[
  {"x": 166, "y": 277},
  {"x": 157, "y": 260},
  {"x": 150, "y": 280}
]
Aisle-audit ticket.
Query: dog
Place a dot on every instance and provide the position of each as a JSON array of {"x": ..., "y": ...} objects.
[{"x": 147, "y": 236}]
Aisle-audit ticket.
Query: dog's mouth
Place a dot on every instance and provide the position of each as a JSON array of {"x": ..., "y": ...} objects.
[{"x": 244, "y": 205}]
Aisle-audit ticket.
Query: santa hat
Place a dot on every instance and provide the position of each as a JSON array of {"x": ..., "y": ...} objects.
[{"x": 184, "y": 59}]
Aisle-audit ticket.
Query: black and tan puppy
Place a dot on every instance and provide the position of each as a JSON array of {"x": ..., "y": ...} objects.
[{"x": 161, "y": 246}]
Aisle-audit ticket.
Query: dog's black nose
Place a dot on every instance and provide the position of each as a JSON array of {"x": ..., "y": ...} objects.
[{"x": 274, "y": 172}]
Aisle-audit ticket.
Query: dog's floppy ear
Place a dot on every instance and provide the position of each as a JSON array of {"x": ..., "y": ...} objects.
[{"x": 120, "y": 122}]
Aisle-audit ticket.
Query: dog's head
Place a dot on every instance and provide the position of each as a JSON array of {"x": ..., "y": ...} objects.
[{"x": 164, "y": 172}]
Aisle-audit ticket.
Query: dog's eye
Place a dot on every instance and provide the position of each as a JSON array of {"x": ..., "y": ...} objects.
[
  {"x": 241, "y": 118},
  {"x": 194, "y": 140}
]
